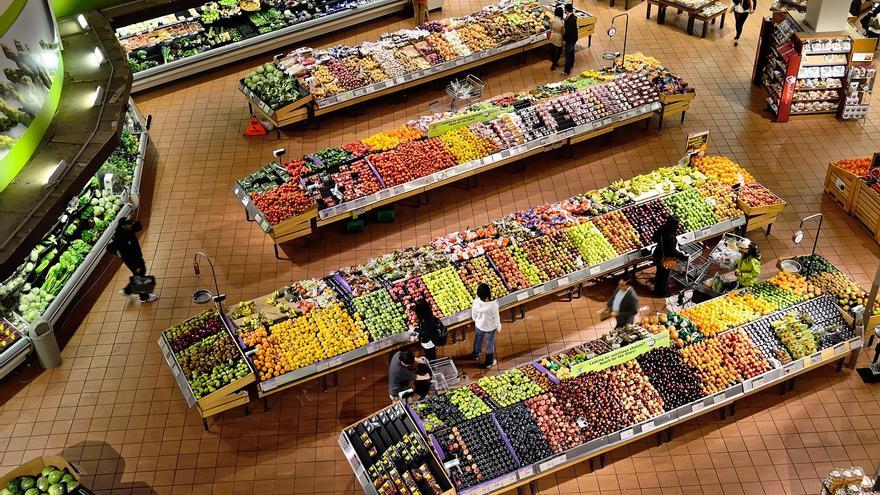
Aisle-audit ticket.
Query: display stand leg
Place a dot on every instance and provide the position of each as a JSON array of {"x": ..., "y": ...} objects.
[
  {"x": 250, "y": 109},
  {"x": 462, "y": 335},
  {"x": 205, "y": 423},
  {"x": 277, "y": 133},
  {"x": 733, "y": 409},
  {"x": 661, "y": 15},
  {"x": 601, "y": 460},
  {"x": 840, "y": 365},
  {"x": 247, "y": 410},
  {"x": 266, "y": 403},
  {"x": 592, "y": 465},
  {"x": 660, "y": 121},
  {"x": 533, "y": 487},
  {"x": 335, "y": 379},
  {"x": 589, "y": 41},
  {"x": 247, "y": 216},
  {"x": 323, "y": 383},
  {"x": 768, "y": 229},
  {"x": 721, "y": 26},
  {"x": 669, "y": 434},
  {"x": 648, "y": 14},
  {"x": 705, "y": 25},
  {"x": 791, "y": 385},
  {"x": 782, "y": 387},
  {"x": 520, "y": 490},
  {"x": 690, "y": 27},
  {"x": 682, "y": 117},
  {"x": 723, "y": 413},
  {"x": 854, "y": 358},
  {"x": 522, "y": 312}
]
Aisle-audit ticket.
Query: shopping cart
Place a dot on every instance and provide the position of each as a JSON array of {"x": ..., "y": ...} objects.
[
  {"x": 693, "y": 268},
  {"x": 444, "y": 375},
  {"x": 460, "y": 93}
]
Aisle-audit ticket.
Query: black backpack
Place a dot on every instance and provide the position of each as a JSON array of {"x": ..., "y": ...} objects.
[{"x": 441, "y": 333}]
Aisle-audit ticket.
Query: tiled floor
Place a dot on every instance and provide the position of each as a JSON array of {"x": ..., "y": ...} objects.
[{"x": 113, "y": 408}]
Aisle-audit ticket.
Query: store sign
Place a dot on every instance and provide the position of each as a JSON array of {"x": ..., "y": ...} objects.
[
  {"x": 448, "y": 125},
  {"x": 623, "y": 354},
  {"x": 697, "y": 145}
]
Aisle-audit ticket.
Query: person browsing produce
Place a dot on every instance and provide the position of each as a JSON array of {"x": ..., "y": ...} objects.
[
  {"x": 570, "y": 37},
  {"x": 420, "y": 11},
  {"x": 487, "y": 321},
  {"x": 624, "y": 304},
  {"x": 557, "y": 24},
  {"x": 748, "y": 266},
  {"x": 406, "y": 373},
  {"x": 665, "y": 255},
  {"x": 430, "y": 331},
  {"x": 126, "y": 247}
]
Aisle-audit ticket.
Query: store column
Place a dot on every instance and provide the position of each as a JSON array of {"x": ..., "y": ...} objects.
[{"x": 827, "y": 16}]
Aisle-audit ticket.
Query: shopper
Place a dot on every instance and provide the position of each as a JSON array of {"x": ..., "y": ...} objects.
[
  {"x": 665, "y": 255},
  {"x": 748, "y": 266},
  {"x": 569, "y": 37},
  {"x": 557, "y": 25},
  {"x": 873, "y": 30},
  {"x": 487, "y": 321},
  {"x": 624, "y": 304},
  {"x": 430, "y": 332},
  {"x": 855, "y": 8},
  {"x": 125, "y": 246},
  {"x": 420, "y": 11},
  {"x": 869, "y": 16},
  {"x": 408, "y": 376},
  {"x": 741, "y": 11}
]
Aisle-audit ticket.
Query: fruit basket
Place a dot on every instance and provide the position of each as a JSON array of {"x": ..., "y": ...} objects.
[
  {"x": 755, "y": 199},
  {"x": 44, "y": 474}
]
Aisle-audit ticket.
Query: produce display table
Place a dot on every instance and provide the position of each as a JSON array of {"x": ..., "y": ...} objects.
[
  {"x": 42, "y": 287},
  {"x": 372, "y": 474},
  {"x": 841, "y": 185},
  {"x": 306, "y": 107},
  {"x": 226, "y": 53},
  {"x": 345, "y": 293},
  {"x": 706, "y": 12}
]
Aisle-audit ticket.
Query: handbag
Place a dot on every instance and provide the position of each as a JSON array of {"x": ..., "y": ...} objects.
[{"x": 669, "y": 263}]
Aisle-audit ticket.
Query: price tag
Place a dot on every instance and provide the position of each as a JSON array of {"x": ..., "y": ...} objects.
[
  {"x": 840, "y": 348},
  {"x": 699, "y": 406},
  {"x": 175, "y": 370},
  {"x": 525, "y": 472},
  {"x": 648, "y": 426},
  {"x": 567, "y": 133},
  {"x": 522, "y": 296},
  {"x": 625, "y": 434},
  {"x": 246, "y": 201},
  {"x": 816, "y": 358},
  {"x": 595, "y": 270},
  {"x": 537, "y": 291},
  {"x": 756, "y": 382},
  {"x": 719, "y": 398},
  {"x": 562, "y": 281},
  {"x": 705, "y": 232},
  {"x": 552, "y": 463}
]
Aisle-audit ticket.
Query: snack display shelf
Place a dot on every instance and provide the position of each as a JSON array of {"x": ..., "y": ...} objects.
[
  {"x": 350, "y": 358},
  {"x": 69, "y": 291},
  {"x": 223, "y": 398},
  {"x": 530, "y": 473},
  {"x": 13, "y": 355},
  {"x": 233, "y": 52}
]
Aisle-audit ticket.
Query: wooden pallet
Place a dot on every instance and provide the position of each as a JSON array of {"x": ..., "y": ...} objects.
[{"x": 841, "y": 186}]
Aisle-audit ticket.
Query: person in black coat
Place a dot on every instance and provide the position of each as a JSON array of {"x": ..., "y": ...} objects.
[
  {"x": 126, "y": 247},
  {"x": 741, "y": 11},
  {"x": 667, "y": 248},
  {"x": 569, "y": 38},
  {"x": 624, "y": 304},
  {"x": 426, "y": 332}
]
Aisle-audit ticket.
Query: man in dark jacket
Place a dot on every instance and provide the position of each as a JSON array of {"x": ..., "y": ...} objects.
[
  {"x": 569, "y": 38},
  {"x": 126, "y": 247},
  {"x": 624, "y": 304}
]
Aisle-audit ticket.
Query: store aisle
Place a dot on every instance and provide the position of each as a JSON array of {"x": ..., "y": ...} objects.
[{"x": 115, "y": 410}]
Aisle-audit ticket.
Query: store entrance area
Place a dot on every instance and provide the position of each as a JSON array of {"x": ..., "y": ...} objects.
[{"x": 114, "y": 406}]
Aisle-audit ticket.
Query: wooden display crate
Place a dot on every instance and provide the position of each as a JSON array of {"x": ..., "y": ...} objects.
[
  {"x": 866, "y": 207},
  {"x": 760, "y": 210},
  {"x": 760, "y": 221},
  {"x": 294, "y": 227},
  {"x": 228, "y": 402},
  {"x": 841, "y": 185},
  {"x": 34, "y": 466},
  {"x": 668, "y": 99}
]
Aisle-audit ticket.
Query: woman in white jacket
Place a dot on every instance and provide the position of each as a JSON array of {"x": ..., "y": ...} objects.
[{"x": 487, "y": 321}]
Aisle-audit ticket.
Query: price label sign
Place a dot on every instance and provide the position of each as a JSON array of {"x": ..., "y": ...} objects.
[
  {"x": 648, "y": 426},
  {"x": 562, "y": 281},
  {"x": 595, "y": 270},
  {"x": 522, "y": 296},
  {"x": 626, "y": 434},
  {"x": 699, "y": 406},
  {"x": 840, "y": 348},
  {"x": 246, "y": 201},
  {"x": 552, "y": 463}
]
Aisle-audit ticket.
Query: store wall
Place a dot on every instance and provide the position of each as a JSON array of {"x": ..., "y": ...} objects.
[{"x": 31, "y": 77}]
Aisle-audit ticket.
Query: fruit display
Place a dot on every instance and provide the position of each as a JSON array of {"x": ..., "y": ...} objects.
[
  {"x": 510, "y": 271},
  {"x": 50, "y": 480},
  {"x": 199, "y": 327},
  {"x": 691, "y": 209},
  {"x": 646, "y": 218},
  {"x": 271, "y": 86},
  {"x": 590, "y": 243},
  {"x": 408, "y": 292},
  {"x": 778, "y": 297},
  {"x": 721, "y": 198},
  {"x": 595, "y": 399},
  {"x": 447, "y": 290},
  {"x": 743, "y": 355},
  {"x": 468, "y": 403},
  {"x": 382, "y": 315},
  {"x": 677, "y": 382},
  {"x": 561, "y": 432},
  {"x": 537, "y": 376},
  {"x": 682, "y": 331},
  {"x": 859, "y": 167},
  {"x": 715, "y": 367},
  {"x": 438, "y": 411},
  {"x": 723, "y": 169},
  {"x": 640, "y": 400},
  {"x": 509, "y": 387},
  {"x": 532, "y": 272},
  {"x": 795, "y": 331},
  {"x": 756, "y": 195},
  {"x": 476, "y": 271},
  {"x": 9, "y": 335},
  {"x": 319, "y": 334},
  {"x": 526, "y": 437},
  {"x": 721, "y": 313},
  {"x": 765, "y": 339},
  {"x": 283, "y": 202},
  {"x": 795, "y": 284},
  {"x": 481, "y": 450},
  {"x": 847, "y": 292},
  {"x": 619, "y": 232}
]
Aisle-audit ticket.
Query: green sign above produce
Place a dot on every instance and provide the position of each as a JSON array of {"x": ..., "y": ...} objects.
[
  {"x": 623, "y": 354},
  {"x": 449, "y": 125}
]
